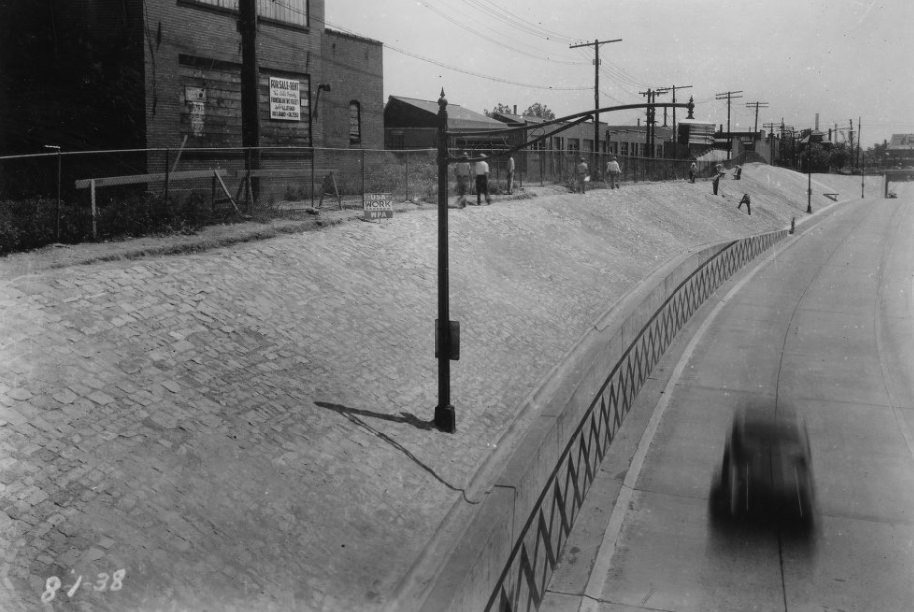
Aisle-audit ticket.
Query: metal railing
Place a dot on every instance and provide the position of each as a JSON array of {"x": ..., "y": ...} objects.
[{"x": 536, "y": 551}]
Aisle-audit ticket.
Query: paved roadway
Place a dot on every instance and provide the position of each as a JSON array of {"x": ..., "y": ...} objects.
[{"x": 826, "y": 327}]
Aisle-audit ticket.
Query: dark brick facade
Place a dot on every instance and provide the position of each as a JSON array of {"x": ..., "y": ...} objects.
[{"x": 173, "y": 71}]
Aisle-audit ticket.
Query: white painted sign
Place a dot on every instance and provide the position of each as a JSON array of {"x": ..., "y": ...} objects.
[
  {"x": 285, "y": 99},
  {"x": 378, "y": 206},
  {"x": 195, "y": 98}
]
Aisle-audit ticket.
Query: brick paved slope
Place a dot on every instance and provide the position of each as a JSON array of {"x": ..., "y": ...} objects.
[{"x": 247, "y": 427}]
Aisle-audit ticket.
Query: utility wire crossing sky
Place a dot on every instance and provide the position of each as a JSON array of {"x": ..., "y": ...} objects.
[{"x": 841, "y": 59}]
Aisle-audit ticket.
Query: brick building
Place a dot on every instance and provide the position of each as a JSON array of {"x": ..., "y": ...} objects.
[{"x": 144, "y": 74}]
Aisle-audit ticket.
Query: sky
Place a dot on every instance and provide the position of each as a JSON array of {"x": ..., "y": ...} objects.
[{"x": 845, "y": 60}]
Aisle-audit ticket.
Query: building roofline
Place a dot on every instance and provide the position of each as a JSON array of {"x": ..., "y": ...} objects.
[{"x": 353, "y": 37}]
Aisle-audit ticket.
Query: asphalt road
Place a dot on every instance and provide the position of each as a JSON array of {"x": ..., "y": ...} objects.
[{"x": 823, "y": 326}]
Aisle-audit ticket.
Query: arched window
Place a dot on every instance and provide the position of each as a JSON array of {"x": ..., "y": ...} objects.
[{"x": 355, "y": 123}]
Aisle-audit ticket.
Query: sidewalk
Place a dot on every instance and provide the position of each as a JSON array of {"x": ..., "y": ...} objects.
[{"x": 247, "y": 428}]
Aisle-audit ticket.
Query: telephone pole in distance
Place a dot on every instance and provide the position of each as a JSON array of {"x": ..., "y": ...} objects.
[
  {"x": 756, "y": 105},
  {"x": 728, "y": 96},
  {"x": 673, "y": 89},
  {"x": 596, "y": 91}
]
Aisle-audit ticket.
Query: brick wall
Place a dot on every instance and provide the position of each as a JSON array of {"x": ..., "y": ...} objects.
[
  {"x": 354, "y": 69},
  {"x": 193, "y": 65}
]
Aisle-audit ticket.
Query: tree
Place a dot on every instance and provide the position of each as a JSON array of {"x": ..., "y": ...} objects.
[
  {"x": 539, "y": 110},
  {"x": 839, "y": 156},
  {"x": 499, "y": 108}
]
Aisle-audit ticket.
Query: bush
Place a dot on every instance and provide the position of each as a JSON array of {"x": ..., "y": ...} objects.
[{"x": 33, "y": 223}]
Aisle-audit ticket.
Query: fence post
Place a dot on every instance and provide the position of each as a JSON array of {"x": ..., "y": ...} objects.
[
  {"x": 312, "y": 177},
  {"x": 406, "y": 181},
  {"x": 167, "y": 174},
  {"x": 363, "y": 175},
  {"x": 92, "y": 195}
]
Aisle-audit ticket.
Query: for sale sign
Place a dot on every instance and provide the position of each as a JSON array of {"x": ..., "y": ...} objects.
[
  {"x": 378, "y": 206},
  {"x": 285, "y": 99}
]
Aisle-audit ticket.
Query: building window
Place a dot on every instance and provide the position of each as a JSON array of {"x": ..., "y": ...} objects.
[
  {"x": 574, "y": 145},
  {"x": 624, "y": 148},
  {"x": 294, "y": 12},
  {"x": 355, "y": 123}
]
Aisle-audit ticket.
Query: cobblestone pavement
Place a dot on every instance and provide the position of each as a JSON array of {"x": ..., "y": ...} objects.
[{"x": 247, "y": 427}]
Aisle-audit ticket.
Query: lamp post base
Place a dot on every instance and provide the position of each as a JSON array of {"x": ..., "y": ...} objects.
[{"x": 445, "y": 419}]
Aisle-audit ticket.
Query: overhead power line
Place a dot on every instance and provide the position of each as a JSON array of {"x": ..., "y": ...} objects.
[
  {"x": 436, "y": 62},
  {"x": 516, "y": 21},
  {"x": 473, "y": 29},
  {"x": 483, "y": 76}
]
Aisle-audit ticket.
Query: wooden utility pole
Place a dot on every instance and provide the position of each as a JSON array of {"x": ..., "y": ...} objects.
[
  {"x": 729, "y": 96},
  {"x": 596, "y": 93},
  {"x": 250, "y": 115},
  {"x": 651, "y": 120},
  {"x": 756, "y": 105},
  {"x": 673, "y": 89}
]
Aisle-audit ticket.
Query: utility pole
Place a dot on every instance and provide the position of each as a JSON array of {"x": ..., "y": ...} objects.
[
  {"x": 250, "y": 115},
  {"x": 673, "y": 89},
  {"x": 862, "y": 157},
  {"x": 596, "y": 93},
  {"x": 851, "y": 136},
  {"x": 757, "y": 106},
  {"x": 728, "y": 96},
  {"x": 648, "y": 121},
  {"x": 651, "y": 120}
]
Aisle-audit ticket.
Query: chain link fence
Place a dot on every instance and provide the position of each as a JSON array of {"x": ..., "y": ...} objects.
[{"x": 71, "y": 197}]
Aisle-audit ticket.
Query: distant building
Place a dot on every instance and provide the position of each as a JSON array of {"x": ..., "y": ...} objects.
[
  {"x": 900, "y": 150},
  {"x": 410, "y": 123},
  {"x": 632, "y": 140}
]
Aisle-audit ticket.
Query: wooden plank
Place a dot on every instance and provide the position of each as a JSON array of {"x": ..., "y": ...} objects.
[
  {"x": 285, "y": 173},
  {"x": 132, "y": 179}
]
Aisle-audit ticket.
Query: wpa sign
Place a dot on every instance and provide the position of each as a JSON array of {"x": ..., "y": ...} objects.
[{"x": 378, "y": 206}]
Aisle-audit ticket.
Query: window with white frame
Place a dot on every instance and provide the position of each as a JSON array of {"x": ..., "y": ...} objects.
[{"x": 294, "y": 12}]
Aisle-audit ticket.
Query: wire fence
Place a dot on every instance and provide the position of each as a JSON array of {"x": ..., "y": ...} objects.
[{"x": 72, "y": 197}]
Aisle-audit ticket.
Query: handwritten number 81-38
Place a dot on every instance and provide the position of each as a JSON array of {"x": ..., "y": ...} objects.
[{"x": 53, "y": 584}]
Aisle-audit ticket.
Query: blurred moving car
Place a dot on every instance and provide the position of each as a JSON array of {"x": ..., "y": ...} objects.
[{"x": 766, "y": 471}]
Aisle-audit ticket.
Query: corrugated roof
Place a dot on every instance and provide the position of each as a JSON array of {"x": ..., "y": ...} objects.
[{"x": 457, "y": 116}]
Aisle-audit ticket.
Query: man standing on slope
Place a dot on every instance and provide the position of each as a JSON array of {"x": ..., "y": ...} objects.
[{"x": 482, "y": 180}]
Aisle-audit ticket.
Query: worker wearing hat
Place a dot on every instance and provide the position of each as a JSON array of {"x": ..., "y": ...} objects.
[
  {"x": 462, "y": 170},
  {"x": 482, "y": 180},
  {"x": 581, "y": 176}
]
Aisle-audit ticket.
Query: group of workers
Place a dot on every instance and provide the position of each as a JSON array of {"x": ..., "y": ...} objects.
[{"x": 480, "y": 169}]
